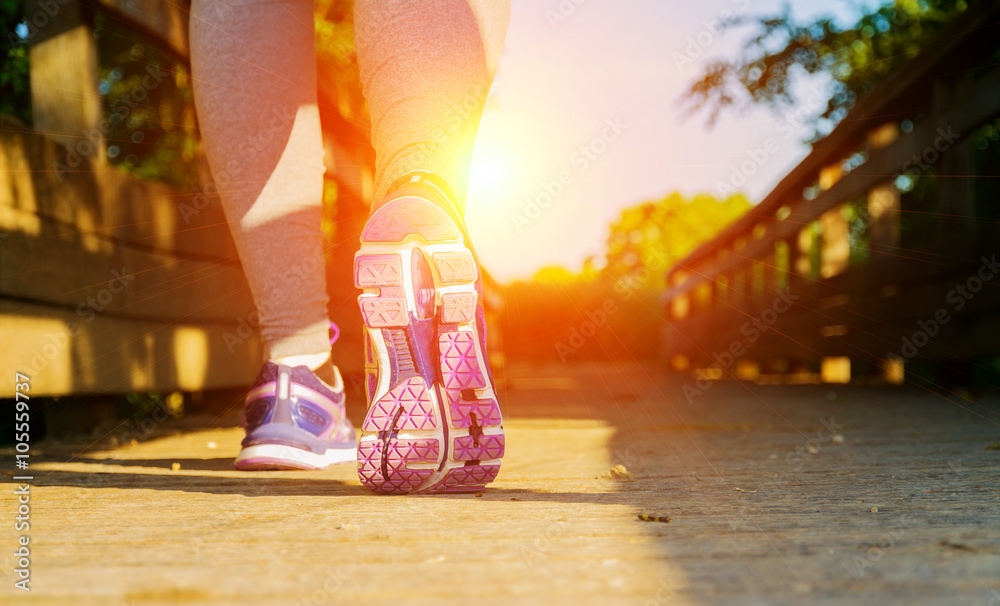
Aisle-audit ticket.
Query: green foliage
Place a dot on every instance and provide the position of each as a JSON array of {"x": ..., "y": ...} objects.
[
  {"x": 151, "y": 132},
  {"x": 649, "y": 238},
  {"x": 858, "y": 222},
  {"x": 338, "y": 59},
  {"x": 855, "y": 58},
  {"x": 554, "y": 274},
  {"x": 15, "y": 88},
  {"x": 613, "y": 312},
  {"x": 986, "y": 159},
  {"x": 148, "y": 121}
]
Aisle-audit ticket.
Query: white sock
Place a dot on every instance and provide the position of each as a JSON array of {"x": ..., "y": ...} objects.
[{"x": 312, "y": 361}]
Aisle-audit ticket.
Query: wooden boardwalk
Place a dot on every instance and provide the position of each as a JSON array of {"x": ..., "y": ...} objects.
[{"x": 775, "y": 494}]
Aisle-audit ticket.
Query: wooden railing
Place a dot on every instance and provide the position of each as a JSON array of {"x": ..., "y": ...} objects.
[
  {"x": 115, "y": 284},
  {"x": 108, "y": 284},
  {"x": 857, "y": 251}
]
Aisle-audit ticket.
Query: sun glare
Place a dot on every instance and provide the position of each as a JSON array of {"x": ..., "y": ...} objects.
[{"x": 489, "y": 167}]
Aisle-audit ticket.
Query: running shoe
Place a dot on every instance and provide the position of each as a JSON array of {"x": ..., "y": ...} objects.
[
  {"x": 295, "y": 421},
  {"x": 433, "y": 421}
]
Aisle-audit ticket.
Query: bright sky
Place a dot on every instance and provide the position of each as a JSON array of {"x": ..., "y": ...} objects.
[{"x": 606, "y": 80}]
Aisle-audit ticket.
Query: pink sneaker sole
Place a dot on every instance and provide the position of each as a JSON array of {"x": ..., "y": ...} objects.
[{"x": 433, "y": 421}]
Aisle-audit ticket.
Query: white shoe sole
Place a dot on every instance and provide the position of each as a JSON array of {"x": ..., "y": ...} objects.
[{"x": 279, "y": 456}]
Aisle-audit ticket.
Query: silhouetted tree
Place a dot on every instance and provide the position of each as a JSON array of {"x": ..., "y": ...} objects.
[{"x": 855, "y": 58}]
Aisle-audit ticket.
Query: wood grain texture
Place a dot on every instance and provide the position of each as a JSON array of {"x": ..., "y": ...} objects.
[
  {"x": 99, "y": 200},
  {"x": 66, "y": 352}
]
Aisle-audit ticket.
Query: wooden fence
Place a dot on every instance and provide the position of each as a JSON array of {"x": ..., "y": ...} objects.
[{"x": 877, "y": 252}]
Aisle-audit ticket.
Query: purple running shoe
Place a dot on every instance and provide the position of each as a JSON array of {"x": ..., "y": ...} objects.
[
  {"x": 433, "y": 422},
  {"x": 295, "y": 421}
]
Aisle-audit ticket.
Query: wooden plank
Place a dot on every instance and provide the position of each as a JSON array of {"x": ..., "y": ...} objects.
[
  {"x": 96, "y": 198},
  {"x": 68, "y": 353},
  {"x": 63, "y": 64},
  {"x": 166, "y": 20},
  {"x": 86, "y": 271},
  {"x": 919, "y": 295}
]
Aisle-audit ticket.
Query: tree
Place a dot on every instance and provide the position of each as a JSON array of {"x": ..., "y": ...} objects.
[
  {"x": 855, "y": 59},
  {"x": 649, "y": 238},
  {"x": 15, "y": 89}
]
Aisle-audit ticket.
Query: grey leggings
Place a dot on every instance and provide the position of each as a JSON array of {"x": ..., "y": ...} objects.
[{"x": 426, "y": 67}]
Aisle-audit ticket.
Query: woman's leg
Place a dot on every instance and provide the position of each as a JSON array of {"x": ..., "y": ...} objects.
[
  {"x": 426, "y": 67},
  {"x": 254, "y": 68},
  {"x": 433, "y": 421}
]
